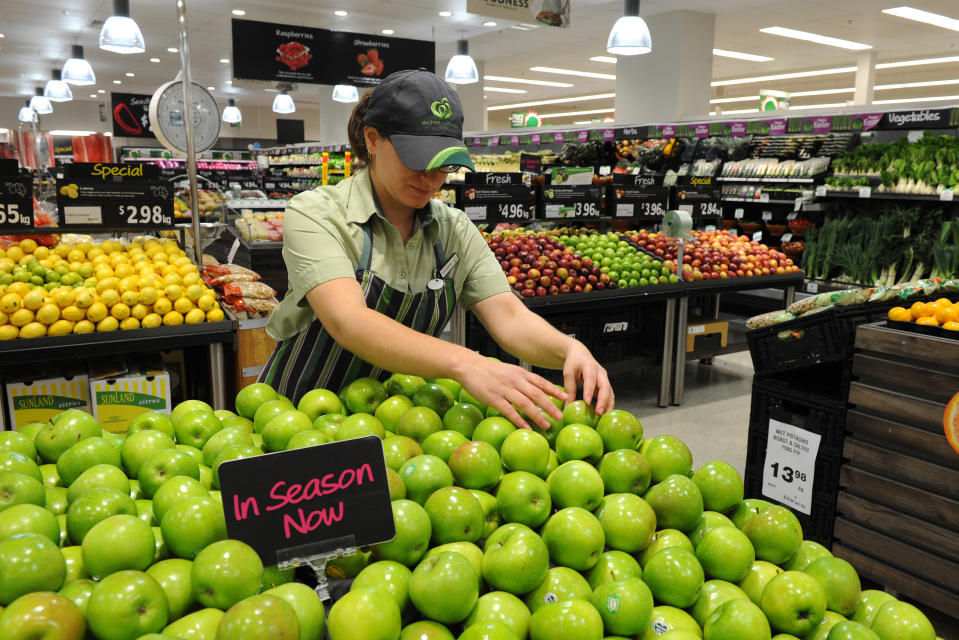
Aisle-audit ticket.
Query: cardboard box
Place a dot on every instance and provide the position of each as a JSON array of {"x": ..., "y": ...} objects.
[
  {"x": 700, "y": 327},
  {"x": 120, "y": 392},
  {"x": 39, "y": 399}
]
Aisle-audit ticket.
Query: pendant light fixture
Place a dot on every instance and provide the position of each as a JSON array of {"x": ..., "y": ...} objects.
[
  {"x": 57, "y": 90},
  {"x": 40, "y": 104},
  {"x": 120, "y": 34},
  {"x": 630, "y": 35},
  {"x": 345, "y": 93},
  {"x": 77, "y": 70},
  {"x": 461, "y": 68},
  {"x": 27, "y": 114},
  {"x": 232, "y": 115},
  {"x": 283, "y": 103}
]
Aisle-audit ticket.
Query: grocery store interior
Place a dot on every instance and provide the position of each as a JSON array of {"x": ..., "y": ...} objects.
[{"x": 744, "y": 209}]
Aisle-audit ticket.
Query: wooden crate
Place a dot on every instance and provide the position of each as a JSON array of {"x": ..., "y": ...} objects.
[
  {"x": 253, "y": 350},
  {"x": 898, "y": 507}
]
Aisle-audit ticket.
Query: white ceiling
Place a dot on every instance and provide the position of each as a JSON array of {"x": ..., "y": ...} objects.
[{"x": 38, "y": 35}]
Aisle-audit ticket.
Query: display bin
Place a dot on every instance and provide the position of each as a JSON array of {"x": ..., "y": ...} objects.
[
  {"x": 775, "y": 399},
  {"x": 798, "y": 344}
]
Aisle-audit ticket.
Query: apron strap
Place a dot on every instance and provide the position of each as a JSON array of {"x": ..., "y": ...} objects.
[{"x": 366, "y": 257}]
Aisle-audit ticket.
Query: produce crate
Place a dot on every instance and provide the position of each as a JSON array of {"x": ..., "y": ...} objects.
[
  {"x": 798, "y": 344},
  {"x": 779, "y": 400}
]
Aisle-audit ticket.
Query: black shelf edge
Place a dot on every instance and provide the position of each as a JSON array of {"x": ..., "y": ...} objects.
[{"x": 878, "y": 195}]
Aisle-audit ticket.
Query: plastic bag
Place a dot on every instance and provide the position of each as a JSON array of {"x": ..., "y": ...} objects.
[
  {"x": 769, "y": 319},
  {"x": 209, "y": 261},
  {"x": 851, "y": 297},
  {"x": 224, "y": 269},
  {"x": 253, "y": 305},
  {"x": 802, "y": 306},
  {"x": 233, "y": 277},
  {"x": 248, "y": 290}
]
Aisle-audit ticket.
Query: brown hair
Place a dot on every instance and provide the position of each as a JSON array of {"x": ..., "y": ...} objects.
[{"x": 354, "y": 129}]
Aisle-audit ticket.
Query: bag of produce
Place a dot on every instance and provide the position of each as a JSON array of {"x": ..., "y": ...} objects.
[
  {"x": 209, "y": 261},
  {"x": 800, "y": 307},
  {"x": 253, "y": 305},
  {"x": 248, "y": 290},
  {"x": 881, "y": 294},
  {"x": 769, "y": 319},
  {"x": 949, "y": 284},
  {"x": 851, "y": 297},
  {"x": 224, "y": 269},
  {"x": 232, "y": 277}
]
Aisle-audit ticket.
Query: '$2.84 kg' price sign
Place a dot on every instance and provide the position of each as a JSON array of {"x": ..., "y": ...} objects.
[{"x": 790, "y": 467}]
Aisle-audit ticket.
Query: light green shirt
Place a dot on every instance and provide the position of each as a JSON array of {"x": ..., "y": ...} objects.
[{"x": 323, "y": 241}]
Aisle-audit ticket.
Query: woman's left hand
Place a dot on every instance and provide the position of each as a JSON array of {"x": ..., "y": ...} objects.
[{"x": 581, "y": 366}]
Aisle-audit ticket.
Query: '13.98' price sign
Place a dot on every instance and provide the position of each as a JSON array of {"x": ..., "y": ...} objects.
[
  {"x": 790, "y": 467},
  {"x": 16, "y": 203},
  {"x": 114, "y": 196}
]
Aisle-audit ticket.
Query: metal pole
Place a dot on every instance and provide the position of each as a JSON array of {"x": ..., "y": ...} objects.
[
  {"x": 679, "y": 366},
  {"x": 669, "y": 344},
  {"x": 188, "y": 124}
]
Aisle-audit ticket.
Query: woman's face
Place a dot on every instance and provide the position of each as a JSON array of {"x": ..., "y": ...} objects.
[{"x": 402, "y": 185}]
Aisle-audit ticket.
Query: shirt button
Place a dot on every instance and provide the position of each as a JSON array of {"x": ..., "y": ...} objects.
[
  {"x": 412, "y": 245},
  {"x": 402, "y": 274}
]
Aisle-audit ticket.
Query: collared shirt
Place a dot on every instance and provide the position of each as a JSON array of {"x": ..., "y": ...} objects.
[{"x": 323, "y": 241}]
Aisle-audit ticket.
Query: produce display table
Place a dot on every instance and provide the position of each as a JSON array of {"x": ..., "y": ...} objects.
[{"x": 898, "y": 506}]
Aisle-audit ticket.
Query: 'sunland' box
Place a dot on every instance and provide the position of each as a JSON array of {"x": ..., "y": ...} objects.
[
  {"x": 38, "y": 399},
  {"x": 120, "y": 393}
]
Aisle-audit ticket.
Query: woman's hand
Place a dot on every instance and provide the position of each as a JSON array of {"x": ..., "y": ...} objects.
[
  {"x": 507, "y": 387},
  {"x": 581, "y": 366}
]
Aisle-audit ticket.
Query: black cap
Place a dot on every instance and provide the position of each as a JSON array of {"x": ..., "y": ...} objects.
[{"x": 423, "y": 117}]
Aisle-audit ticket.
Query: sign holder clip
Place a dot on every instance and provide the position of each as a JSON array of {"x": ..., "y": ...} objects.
[{"x": 316, "y": 555}]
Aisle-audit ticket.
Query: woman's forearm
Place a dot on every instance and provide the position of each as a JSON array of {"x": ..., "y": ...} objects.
[{"x": 523, "y": 333}]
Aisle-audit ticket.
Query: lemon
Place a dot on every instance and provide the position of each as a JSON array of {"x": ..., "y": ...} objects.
[
  {"x": 34, "y": 299},
  {"x": 21, "y": 317},
  {"x": 60, "y": 328},
  {"x": 97, "y": 312},
  {"x": 160, "y": 256},
  {"x": 169, "y": 270},
  {"x": 95, "y": 252},
  {"x": 120, "y": 311},
  {"x": 75, "y": 255},
  {"x": 85, "y": 298},
  {"x": 183, "y": 305},
  {"x": 172, "y": 318},
  {"x": 214, "y": 315},
  {"x": 129, "y": 323},
  {"x": 193, "y": 292},
  {"x": 108, "y": 283},
  {"x": 85, "y": 270},
  {"x": 84, "y": 326},
  {"x": 41, "y": 252},
  {"x": 8, "y": 332},
  {"x": 139, "y": 311},
  {"x": 84, "y": 246},
  {"x": 65, "y": 298},
  {"x": 73, "y": 313},
  {"x": 19, "y": 288},
  {"x": 10, "y": 302},
  {"x": 4, "y": 318},
  {"x": 28, "y": 245},
  {"x": 194, "y": 316},
  {"x": 110, "y": 297},
  {"x": 191, "y": 278},
  {"x": 151, "y": 320},
  {"x": 206, "y": 302},
  {"x": 171, "y": 278},
  {"x": 100, "y": 260},
  {"x": 186, "y": 269},
  {"x": 48, "y": 314},
  {"x": 125, "y": 270},
  {"x": 14, "y": 252},
  {"x": 173, "y": 291},
  {"x": 162, "y": 306},
  {"x": 148, "y": 295},
  {"x": 108, "y": 324},
  {"x": 33, "y": 330},
  {"x": 130, "y": 283},
  {"x": 63, "y": 249},
  {"x": 130, "y": 298}
]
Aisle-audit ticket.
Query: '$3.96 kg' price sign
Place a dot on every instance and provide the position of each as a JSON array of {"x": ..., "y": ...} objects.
[
  {"x": 790, "y": 467},
  {"x": 572, "y": 201}
]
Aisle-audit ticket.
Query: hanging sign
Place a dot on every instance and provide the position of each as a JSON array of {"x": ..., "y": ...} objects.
[
  {"x": 16, "y": 202},
  {"x": 530, "y": 163},
  {"x": 131, "y": 115},
  {"x": 552, "y": 13},
  {"x": 572, "y": 201},
  {"x": 114, "y": 195},
  {"x": 860, "y": 122},
  {"x": 629, "y": 133},
  {"x": 498, "y": 203},
  {"x": 917, "y": 119}
]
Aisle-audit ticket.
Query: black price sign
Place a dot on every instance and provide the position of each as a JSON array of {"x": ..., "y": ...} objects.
[
  {"x": 114, "y": 195},
  {"x": 572, "y": 201},
  {"x": 497, "y": 203},
  {"x": 530, "y": 163},
  {"x": 491, "y": 179},
  {"x": 294, "y": 499},
  {"x": 701, "y": 202},
  {"x": 16, "y": 203},
  {"x": 641, "y": 202}
]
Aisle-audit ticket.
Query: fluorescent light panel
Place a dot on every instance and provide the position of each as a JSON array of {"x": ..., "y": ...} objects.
[
  {"x": 784, "y": 76},
  {"x": 785, "y": 32},
  {"x": 71, "y": 132},
  {"x": 503, "y": 90},
  {"x": 831, "y": 105},
  {"x": 606, "y": 59},
  {"x": 735, "y": 112},
  {"x": 573, "y": 72},
  {"x": 915, "y": 85},
  {"x": 540, "y": 83},
  {"x": 927, "y": 17},
  {"x": 916, "y": 63},
  {"x": 728, "y": 100},
  {"x": 928, "y": 99},
  {"x": 821, "y": 92},
  {"x": 723, "y": 53},
  {"x": 572, "y": 114},
  {"x": 598, "y": 96}
]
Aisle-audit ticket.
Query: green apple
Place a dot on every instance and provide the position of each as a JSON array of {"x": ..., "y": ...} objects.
[
  {"x": 78, "y": 591},
  {"x": 737, "y": 620},
  {"x": 442, "y": 444},
  {"x": 173, "y": 576},
  {"x": 578, "y": 412},
  {"x": 191, "y": 525},
  {"x": 794, "y": 602},
  {"x": 524, "y": 498},
  {"x": 525, "y": 450},
  {"x": 746, "y": 510},
  {"x": 358, "y": 425},
  {"x": 426, "y": 630},
  {"x": 348, "y": 566},
  {"x": 491, "y": 519},
  {"x": 151, "y": 420},
  {"x": 850, "y": 630},
  {"x": 318, "y": 402},
  {"x": 413, "y": 531},
  {"x": 19, "y": 463},
  {"x": 126, "y": 604},
  {"x": 29, "y": 562},
  {"x": 397, "y": 488},
  {"x": 575, "y": 538},
  {"x": 840, "y": 581},
  {"x": 195, "y": 453},
  {"x": 199, "y": 624},
  {"x": 720, "y": 484},
  {"x": 141, "y": 445},
  {"x": 451, "y": 385},
  {"x": 278, "y": 431},
  {"x": 613, "y": 566},
  {"x": 625, "y": 606},
  {"x": 269, "y": 410},
  {"x": 625, "y": 471},
  {"x": 221, "y": 440},
  {"x": 273, "y": 576},
  {"x": 575, "y": 484},
  {"x": 32, "y": 429},
  {"x": 163, "y": 465},
  {"x": 250, "y": 397},
  {"x": 775, "y": 533},
  {"x": 476, "y": 465},
  {"x": 224, "y": 573},
  {"x": 117, "y": 543},
  {"x": 29, "y": 518},
  {"x": 173, "y": 491},
  {"x": 709, "y": 521},
  {"x": 667, "y": 455},
  {"x": 566, "y": 620},
  {"x": 391, "y": 576},
  {"x": 311, "y": 438},
  {"x": 364, "y": 395},
  {"x": 42, "y": 615},
  {"x": 418, "y": 423},
  {"x": 664, "y": 539},
  {"x": 714, "y": 594},
  {"x": 188, "y": 406},
  {"x": 808, "y": 552},
  {"x": 423, "y": 475},
  {"x": 51, "y": 477},
  {"x": 66, "y": 429},
  {"x": 758, "y": 576},
  {"x": 18, "y": 442},
  {"x": 462, "y": 417},
  {"x": 553, "y": 463},
  {"x": 515, "y": 560},
  {"x": 503, "y": 607},
  {"x": 666, "y": 620},
  {"x": 233, "y": 452},
  {"x": 403, "y": 384},
  {"x": 493, "y": 430},
  {"x": 84, "y": 455},
  {"x": 677, "y": 503},
  {"x": 628, "y": 522},
  {"x": 236, "y": 421},
  {"x": 260, "y": 616},
  {"x": 675, "y": 577},
  {"x": 579, "y": 442},
  {"x": 328, "y": 424},
  {"x": 870, "y": 601},
  {"x": 902, "y": 621},
  {"x": 435, "y": 396},
  {"x": 725, "y": 553},
  {"x": 196, "y": 427},
  {"x": 487, "y": 631},
  {"x": 444, "y": 587},
  {"x": 73, "y": 559},
  {"x": 830, "y": 620},
  {"x": 391, "y": 410},
  {"x": 561, "y": 583},
  {"x": 307, "y": 605},
  {"x": 100, "y": 476},
  {"x": 398, "y": 449},
  {"x": 455, "y": 515},
  {"x": 94, "y": 506},
  {"x": 619, "y": 430},
  {"x": 56, "y": 500},
  {"x": 17, "y": 488}
]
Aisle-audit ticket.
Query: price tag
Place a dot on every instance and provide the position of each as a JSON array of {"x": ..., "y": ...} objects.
[
  {"x": 739, "y": 214},
  {"x": 572, "y": 201},
  {"x": 812, "y": 287},
  {"x": 16, "y": 203},
  {"x": 114, "y": 196},
  {"x": 946, "y": 195},
  {"x": 605, "y": 170},
  {"x": 786, "y": 237},
  {"x": 764, "y": 197},
  {"x": 495, "y": 203},
  {"x": 792, "y": 216},
  {"x": 820, "y": 191},
  {"x": 767, "y": 216},
  {"x": 476, "y": 214},
  {"x": 734, "y": 232},
  {"x": 797, "y": 205},
  {"x": 865, "y": 192},
  {"x": 637, "y": 201},
  {"x": 757, "y": 236},
  {"x": 710, "y": 228},
  {"x": 233, "y": 249},
  {"x": 790, "y": 466}
]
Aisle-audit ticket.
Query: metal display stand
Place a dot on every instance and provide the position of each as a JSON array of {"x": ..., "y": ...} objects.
[{"x": 316, "y": 556}]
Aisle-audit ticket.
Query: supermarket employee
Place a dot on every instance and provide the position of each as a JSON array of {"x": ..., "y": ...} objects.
[{"x": 376, "y": 266}]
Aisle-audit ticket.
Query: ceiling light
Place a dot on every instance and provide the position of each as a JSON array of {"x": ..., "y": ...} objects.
[
  {"x": 831, "y": 105},
  {"x": 518, "y": 28},
  {"x": 927, "y": 99},
  {"x": 570, "y": 114},
  {"x": 117, "y": 82},
  {"x": 927, "y": 17},
  {"x": 530, "y": 26},
  {"x": 541, "y": 83},
  {"x": 272, "y": 90},
  {"x": 630, "y": 35},
  {"x": 345, "y": 93},
  {"x": 27, "y": 114},
  {"x": 173, "y": 50},
  {"x": 815, "y": 37},
  {"x": 916, "y": 63},
  {"x": 740, "y": 99},
  {"x": 446, "y": 14},
  {"x": 225, "y": 60},
  {"x": 211, "y": 88},
  {"x": 2, "y": 35},
  {"x": 120, "y": 34},
  {"x": 915, "y": 85},
  {"x": 40, "y": 104},
  {"x": 232, "y": 115},
  {"x": 341, "y": 13},
  {"x": 56, "y": 89},
  {"x": 229, "y": 82},
  {"x": 101, "y": 90},
  {"x": 154, "y": 59},
  {"x": 821, "y": 92},
  {"x": 784, "y": 76},
  {"x": 388, "y": 32},
  {"x": 71, "y": 132},
  {"x": 77, "y": 70},
  {"x": 238, "y": 12},
  {"x": 489, "y": 24},
  {"x": 584, "y": 122},
  {"x": 503, "y": 90},
  {"x": 571, "y": 72},
  {"x": 607, "y": 59},
  {"x": 93, "y": 95},
  {"x": 283, "y": 103},
  {"x": 461, "y": 68},
  {"x": 598, "y": 96},
  {"x": 736, "y": 112},
  {"x": 723, "y": 53},
  {"x": 130, "y": 74}
]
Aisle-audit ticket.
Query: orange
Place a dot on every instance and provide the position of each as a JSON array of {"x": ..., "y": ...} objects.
[
  {"x": 943, "y": 302},
  {"x": 945, "y": 314},
  {"x": 900, "y": 314},
  {"x": 950, "y": 422},
  {"x": 951, "y": 326},
  {"x": 928, "y": 321},
  {"x": 917, "y": 309}
]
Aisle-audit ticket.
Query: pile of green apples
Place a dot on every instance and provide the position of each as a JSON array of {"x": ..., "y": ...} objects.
[{"x": 583, "y": 531}]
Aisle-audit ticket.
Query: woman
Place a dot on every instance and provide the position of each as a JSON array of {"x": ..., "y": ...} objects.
[{"x": 376, "y": 266}]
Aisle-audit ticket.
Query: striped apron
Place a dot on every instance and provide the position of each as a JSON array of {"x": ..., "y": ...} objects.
[{"x": 312, "y": 359}]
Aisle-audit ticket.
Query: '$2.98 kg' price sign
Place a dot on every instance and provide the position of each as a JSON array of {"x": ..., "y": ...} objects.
[
  {"x": 114, "y": 196},
  {"x": 790, "y": 467}
]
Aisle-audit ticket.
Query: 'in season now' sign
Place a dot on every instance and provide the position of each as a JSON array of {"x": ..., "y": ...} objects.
[{"x": 114, "y": 195}]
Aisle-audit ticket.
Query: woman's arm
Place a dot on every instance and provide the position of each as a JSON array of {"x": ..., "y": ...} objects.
[
  {"x": 531, "y": 339},
  {"x": 340, "y": 306}
]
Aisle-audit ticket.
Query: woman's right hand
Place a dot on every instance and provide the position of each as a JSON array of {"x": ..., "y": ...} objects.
[{"x": 507, "y": 387}]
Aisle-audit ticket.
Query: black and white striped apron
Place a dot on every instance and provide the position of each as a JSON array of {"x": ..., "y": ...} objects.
[{"x": 312, "y": 359}]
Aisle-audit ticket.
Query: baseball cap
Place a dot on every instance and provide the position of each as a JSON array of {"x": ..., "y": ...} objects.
[{"x": 423, "y": 117}]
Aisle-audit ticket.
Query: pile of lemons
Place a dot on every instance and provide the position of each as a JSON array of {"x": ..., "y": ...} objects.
[{"x": 87, "y": 287}]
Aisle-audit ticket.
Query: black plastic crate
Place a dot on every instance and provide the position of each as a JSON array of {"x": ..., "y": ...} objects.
[
  {"x": 826, "y": 385},
  {"x": 824, "y": 416},
  {"x": 817, "y": 526},
  {"x": 797, "y": 344}
]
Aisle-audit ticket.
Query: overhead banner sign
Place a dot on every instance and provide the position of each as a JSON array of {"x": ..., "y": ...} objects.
[
  {"x": 288, "y": 53},
  {"x": 131, "y": 115},
  {"x": 918, "y": 119},
  {"x": 553, "y": 13}
]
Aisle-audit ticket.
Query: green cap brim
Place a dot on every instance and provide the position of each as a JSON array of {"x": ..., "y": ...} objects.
[{"x": 426, "y": 153}]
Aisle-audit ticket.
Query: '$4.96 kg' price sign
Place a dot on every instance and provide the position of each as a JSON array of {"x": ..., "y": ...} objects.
[{"x": 790, "y": 466}]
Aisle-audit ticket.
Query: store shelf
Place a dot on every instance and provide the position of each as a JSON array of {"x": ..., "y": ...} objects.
[
  {"x": 768, "y": 180},
  {"x": 275, "y": 203},
  {"x": 755, "y": 201},
  {"x": 880, "y": 195}
]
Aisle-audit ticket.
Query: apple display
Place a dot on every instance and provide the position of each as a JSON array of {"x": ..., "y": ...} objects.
[
  {"x": 625, "y": 471},
  {"x": 625, "y": 606},
  {"x": 566, "y": 620},
  {"x": 675, "y": 577},
  {"x": 794, "y": 602},
  {"x": 677, "y": 503}
]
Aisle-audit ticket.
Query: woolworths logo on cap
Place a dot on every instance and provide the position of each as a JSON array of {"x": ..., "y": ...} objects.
[{"x": 442, "y": 109}]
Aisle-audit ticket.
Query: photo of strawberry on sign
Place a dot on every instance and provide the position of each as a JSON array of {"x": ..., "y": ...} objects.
[{"x": 370, "y": 63}]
